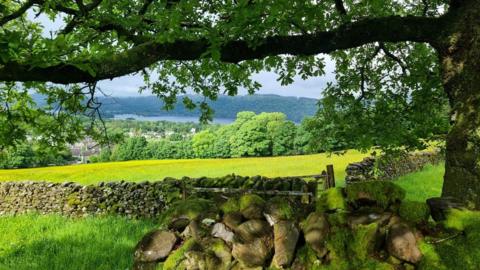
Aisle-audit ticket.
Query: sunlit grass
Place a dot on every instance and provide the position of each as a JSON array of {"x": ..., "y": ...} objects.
[
  {"x": 153, "y": 170},
  {"x": 423, "y": 184}
]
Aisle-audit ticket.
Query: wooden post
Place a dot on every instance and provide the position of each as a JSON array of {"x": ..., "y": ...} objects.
[
  {"x": 184, "y": 190},
  {"x": 330, "y": 176},
  {"x": 325, "y": 180}
]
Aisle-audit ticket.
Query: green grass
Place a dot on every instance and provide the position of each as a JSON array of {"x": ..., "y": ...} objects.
[
  {"x": 53, "y": 242},
  {"x": 422, "y": 185},
  {"x": 153, "y": 170}
]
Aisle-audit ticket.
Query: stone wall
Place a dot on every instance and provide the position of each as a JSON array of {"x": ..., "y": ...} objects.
[
  {"x": 390, "y": 167},
  {"x": 146, "y": 199}
]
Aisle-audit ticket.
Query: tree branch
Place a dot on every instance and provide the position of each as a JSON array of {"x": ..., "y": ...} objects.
[
  {"x": 340, "y": 7},
  {"x": 349, "y": 35},
  {"x": 17, "y": 13},
  {"x": 393, "y": 57}
]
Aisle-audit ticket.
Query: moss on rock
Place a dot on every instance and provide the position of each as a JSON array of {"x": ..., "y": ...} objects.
[
  {"x": 364, "y": 240},
  {"x": 190, "y": 208},
  {"x": 280, "y": 208},
  {"x": 382, "y": 193},
  {"x": 176, "y": 258},
  {"x": 251, "y": 206},
  {"x": 414, "y": 212},
  {"x": 230, "y": 206},
  {"x": 331, "y": 199}
]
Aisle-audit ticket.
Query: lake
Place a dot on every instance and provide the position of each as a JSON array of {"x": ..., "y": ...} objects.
[{"x": 181, "y": 119}]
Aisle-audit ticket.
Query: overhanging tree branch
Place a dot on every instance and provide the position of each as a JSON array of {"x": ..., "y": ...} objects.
[
  {"x": 349, "y": 35},
  {"x": 18, "y": 13},
  {"x": 340, "y": 7}
]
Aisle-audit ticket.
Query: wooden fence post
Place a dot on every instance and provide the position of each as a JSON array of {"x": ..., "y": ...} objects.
[
  {"x": 325, "y": 180},
  {"x": 330, "y": 176}
]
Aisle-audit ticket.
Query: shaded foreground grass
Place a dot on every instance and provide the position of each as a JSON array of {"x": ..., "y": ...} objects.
[
  {"x": 53, "y": 242},
  {"x": 153, "y": 170}
]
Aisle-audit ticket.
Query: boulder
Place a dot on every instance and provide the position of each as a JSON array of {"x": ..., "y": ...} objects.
[
  {"x": 252, "y": 206},
  {"x": 196, "y": 230},
  {"x": 252, "y": 229},
  {"x": 222, "y": 251},
  {"x": 402, "y": 244},
  {"x": 179, "y": 224},
  {"x": 223, "y": 232},
  {"x": 232, "y": 220},
  {"x": 285, "y": 240},
  {"x": 277, "y": 209},
  {"x": 155, "y": 246},
  {"x": 381, "y": 219},
  {"x": 315, "y": 230},
  {"x": 197, "y": 260},
  {"x": 255, "y": 253},
  {"x": 439, "y": 207}
]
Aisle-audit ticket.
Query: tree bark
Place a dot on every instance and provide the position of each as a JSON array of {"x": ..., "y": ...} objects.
[{"x": 460, "y": 60}]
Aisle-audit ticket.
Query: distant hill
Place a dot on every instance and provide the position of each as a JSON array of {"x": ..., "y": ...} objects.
[
  {"x": 296, "y": 108},
  {"x": 225, "y": 106}
]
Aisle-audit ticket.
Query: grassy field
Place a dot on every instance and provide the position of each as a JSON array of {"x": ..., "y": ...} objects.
[
  {"x": 31, "y": 242},
  {"x": 158, "y": 169},
  {"x": 424, "y": 184},
  {"x": 53, "y": 242}
]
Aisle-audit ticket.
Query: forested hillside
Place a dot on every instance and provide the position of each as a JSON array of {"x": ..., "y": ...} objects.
[{"x": 225, "y": 106}]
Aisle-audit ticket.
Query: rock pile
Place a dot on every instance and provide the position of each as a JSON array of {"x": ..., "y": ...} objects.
[{"x": 351, "y": 228}]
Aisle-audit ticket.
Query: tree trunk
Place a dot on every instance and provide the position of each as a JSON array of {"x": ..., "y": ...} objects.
[{"x": 460, "y": 60}]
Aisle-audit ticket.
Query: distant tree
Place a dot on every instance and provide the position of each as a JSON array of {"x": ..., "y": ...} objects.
[
  {"x": 22, "y": 156},
  {"x": 304, "y": 138},
  {"x": 203, "y": 144},
  {"x": 282, "y": 136},
  {"x": 161, "y": 149},
  {"x": 133, "y": 149},
  {"x": 251, "y": 138},
  {"x": 222, "y": 145}
]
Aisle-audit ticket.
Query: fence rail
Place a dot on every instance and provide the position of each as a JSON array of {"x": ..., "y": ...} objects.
[{"x": 327, "y": 177}]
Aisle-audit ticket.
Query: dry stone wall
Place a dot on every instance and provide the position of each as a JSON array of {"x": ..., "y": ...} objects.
[
  {"x": 386, "y": 168},
  {"x": 137, "y": 200}
]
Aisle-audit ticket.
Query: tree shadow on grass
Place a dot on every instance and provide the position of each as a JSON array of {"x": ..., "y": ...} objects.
[{"x": 54, "y": 254}]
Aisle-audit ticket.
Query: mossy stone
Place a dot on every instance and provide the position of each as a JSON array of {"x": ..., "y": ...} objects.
[
  {"x": 251, "y": 206},
  {"x": 280, "y": 208},
  {"x": 364, "y": 240},
  {"x": 175, "y": 259},
  {"x": 331, "y": 199},
  {"x": 231, "y": 205},
  {"x": 191, "y": 209},
  {"x": 381, "y": 193},
  {"x": 414, "y": 212}
]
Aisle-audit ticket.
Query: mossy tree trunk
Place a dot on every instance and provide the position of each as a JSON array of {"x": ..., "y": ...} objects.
[{"x": 459, "y": 52}]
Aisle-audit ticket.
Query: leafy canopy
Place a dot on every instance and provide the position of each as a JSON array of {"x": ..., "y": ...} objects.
[{"x": 387, "y": 90}]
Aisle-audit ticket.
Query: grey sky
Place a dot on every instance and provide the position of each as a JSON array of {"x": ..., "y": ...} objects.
[{"x": 129, "y": 85}]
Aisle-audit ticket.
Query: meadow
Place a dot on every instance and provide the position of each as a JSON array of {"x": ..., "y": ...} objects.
[
  {"x": 55, "y": 242},
  {"x": 155, "y": 170}
]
